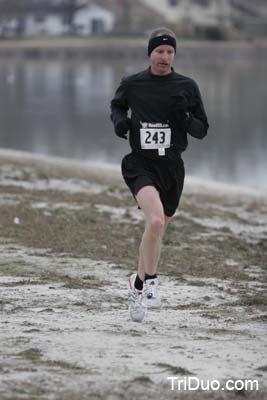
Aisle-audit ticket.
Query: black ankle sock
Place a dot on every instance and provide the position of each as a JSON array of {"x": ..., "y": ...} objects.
[
  {"x": 138, "y": 284},
  {"x": 147, "y": 276}
]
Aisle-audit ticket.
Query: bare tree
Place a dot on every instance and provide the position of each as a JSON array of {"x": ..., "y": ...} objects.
[{"x": 69, "y": 7}]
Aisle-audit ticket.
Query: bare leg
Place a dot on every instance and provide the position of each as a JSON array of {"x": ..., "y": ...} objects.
[
  {"x": 156, "y": 223},
  {"x": 141, "y": 266}
]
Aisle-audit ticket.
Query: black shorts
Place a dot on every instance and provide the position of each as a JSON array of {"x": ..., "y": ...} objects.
[{"x": 165, "y": 175}]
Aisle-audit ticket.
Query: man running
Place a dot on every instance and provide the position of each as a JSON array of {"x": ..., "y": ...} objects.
[{"x": 164, "y": 106}]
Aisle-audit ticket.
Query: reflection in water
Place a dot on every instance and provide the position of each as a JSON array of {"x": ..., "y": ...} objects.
[{"x": 62, "y": 108}]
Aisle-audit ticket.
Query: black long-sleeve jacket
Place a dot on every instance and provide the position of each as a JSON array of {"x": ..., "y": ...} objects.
[{"x": 152, "y": 101}]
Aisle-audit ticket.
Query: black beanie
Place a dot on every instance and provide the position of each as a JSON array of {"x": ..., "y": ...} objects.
[{"x": 159, "y": 40}]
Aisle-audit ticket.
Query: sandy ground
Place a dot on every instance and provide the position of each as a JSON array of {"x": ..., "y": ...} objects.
[{"x": 69, "y": 239}]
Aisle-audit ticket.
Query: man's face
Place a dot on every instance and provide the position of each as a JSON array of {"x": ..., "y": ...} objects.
[{"x": 161, "y": 59}]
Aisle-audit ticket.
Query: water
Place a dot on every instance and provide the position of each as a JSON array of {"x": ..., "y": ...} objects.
[{"x": 61, "y": 108}]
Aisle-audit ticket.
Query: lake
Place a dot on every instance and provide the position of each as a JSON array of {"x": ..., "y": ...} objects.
[{"x": 61, "y": 108}]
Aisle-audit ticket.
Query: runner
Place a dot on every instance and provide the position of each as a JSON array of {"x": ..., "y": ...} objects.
[{"x": 164, "y": 106}]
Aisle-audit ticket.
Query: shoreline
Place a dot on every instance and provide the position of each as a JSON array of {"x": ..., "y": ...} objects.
[
  {"x": 112, "y": 47},
  {"x": 111, "y": 173}
]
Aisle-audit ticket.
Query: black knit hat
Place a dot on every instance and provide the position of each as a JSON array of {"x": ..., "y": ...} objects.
[{"x": 159, "y": 40}]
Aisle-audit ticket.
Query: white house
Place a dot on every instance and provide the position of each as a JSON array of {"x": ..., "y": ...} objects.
[{"x": 93, "y": 19}]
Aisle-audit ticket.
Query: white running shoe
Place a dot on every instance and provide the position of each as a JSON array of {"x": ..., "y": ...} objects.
[
  {"x": 137, "y": 308},
  {"x": 151, "y": 294}
]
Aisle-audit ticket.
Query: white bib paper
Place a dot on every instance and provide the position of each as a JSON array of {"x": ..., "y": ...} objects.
[{"x": 155, "y": 138}]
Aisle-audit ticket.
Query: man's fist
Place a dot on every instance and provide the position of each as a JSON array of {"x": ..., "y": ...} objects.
[
  {"x": 122, "y": 128},
  {"x": 179, "y": 113}
]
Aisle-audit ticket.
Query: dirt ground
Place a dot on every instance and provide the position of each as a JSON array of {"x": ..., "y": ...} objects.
[{"x": 69, "y": 239}]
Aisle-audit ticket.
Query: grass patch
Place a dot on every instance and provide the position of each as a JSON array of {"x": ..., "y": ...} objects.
[
  {"x": 42, "y": 277},
  {"x": 191, "y": 306},
  {"x": 263, "y": 368},
  {"x": 142, "y": 380},
  {"x": 223, "y": 331},
  {"x": 32, "y": 354},
  {"x": 15, "y": 269},
  {"x": 81, "y": 283},
  {"x": 35, "y": 355},
  {"x": 21, "y": 283},
  {"x": 196, "y": 283},
  {"x": 64, "y": 365},
  {"x": 210, "y": 316},
  {"x": 257, "y": 299},
  {"x": 260, "y": 318},
  {"x": 173, "y": 369}
]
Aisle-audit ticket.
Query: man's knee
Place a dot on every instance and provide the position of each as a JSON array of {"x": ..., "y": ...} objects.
[{"x": 156, "y": 225}]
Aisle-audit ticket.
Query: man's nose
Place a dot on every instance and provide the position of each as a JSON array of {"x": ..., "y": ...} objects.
[{"x": 164, "y": 55}]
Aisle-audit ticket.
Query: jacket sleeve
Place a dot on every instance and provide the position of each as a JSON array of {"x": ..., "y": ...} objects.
[
  {"x": 198, "y": 123},
  {"x": 119, "y": 104}
]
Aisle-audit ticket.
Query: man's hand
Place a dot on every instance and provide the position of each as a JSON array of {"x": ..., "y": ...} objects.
[
  {"x": 122, "y": 128},
  {"x": 179, "y": 110}
]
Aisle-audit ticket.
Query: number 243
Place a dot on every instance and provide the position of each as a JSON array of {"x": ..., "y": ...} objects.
[{"x": 157, "y": 137}]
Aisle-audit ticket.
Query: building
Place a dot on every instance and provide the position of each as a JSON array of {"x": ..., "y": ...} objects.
[
  {"x": 194, "y": 14},
  {"x": 57, "y": 18},
  {"x": 93, "y": 19},
  {"x": 214, "y": 18}
]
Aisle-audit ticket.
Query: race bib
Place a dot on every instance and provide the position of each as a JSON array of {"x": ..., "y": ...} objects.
[{"x": 155, "y": 137}]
